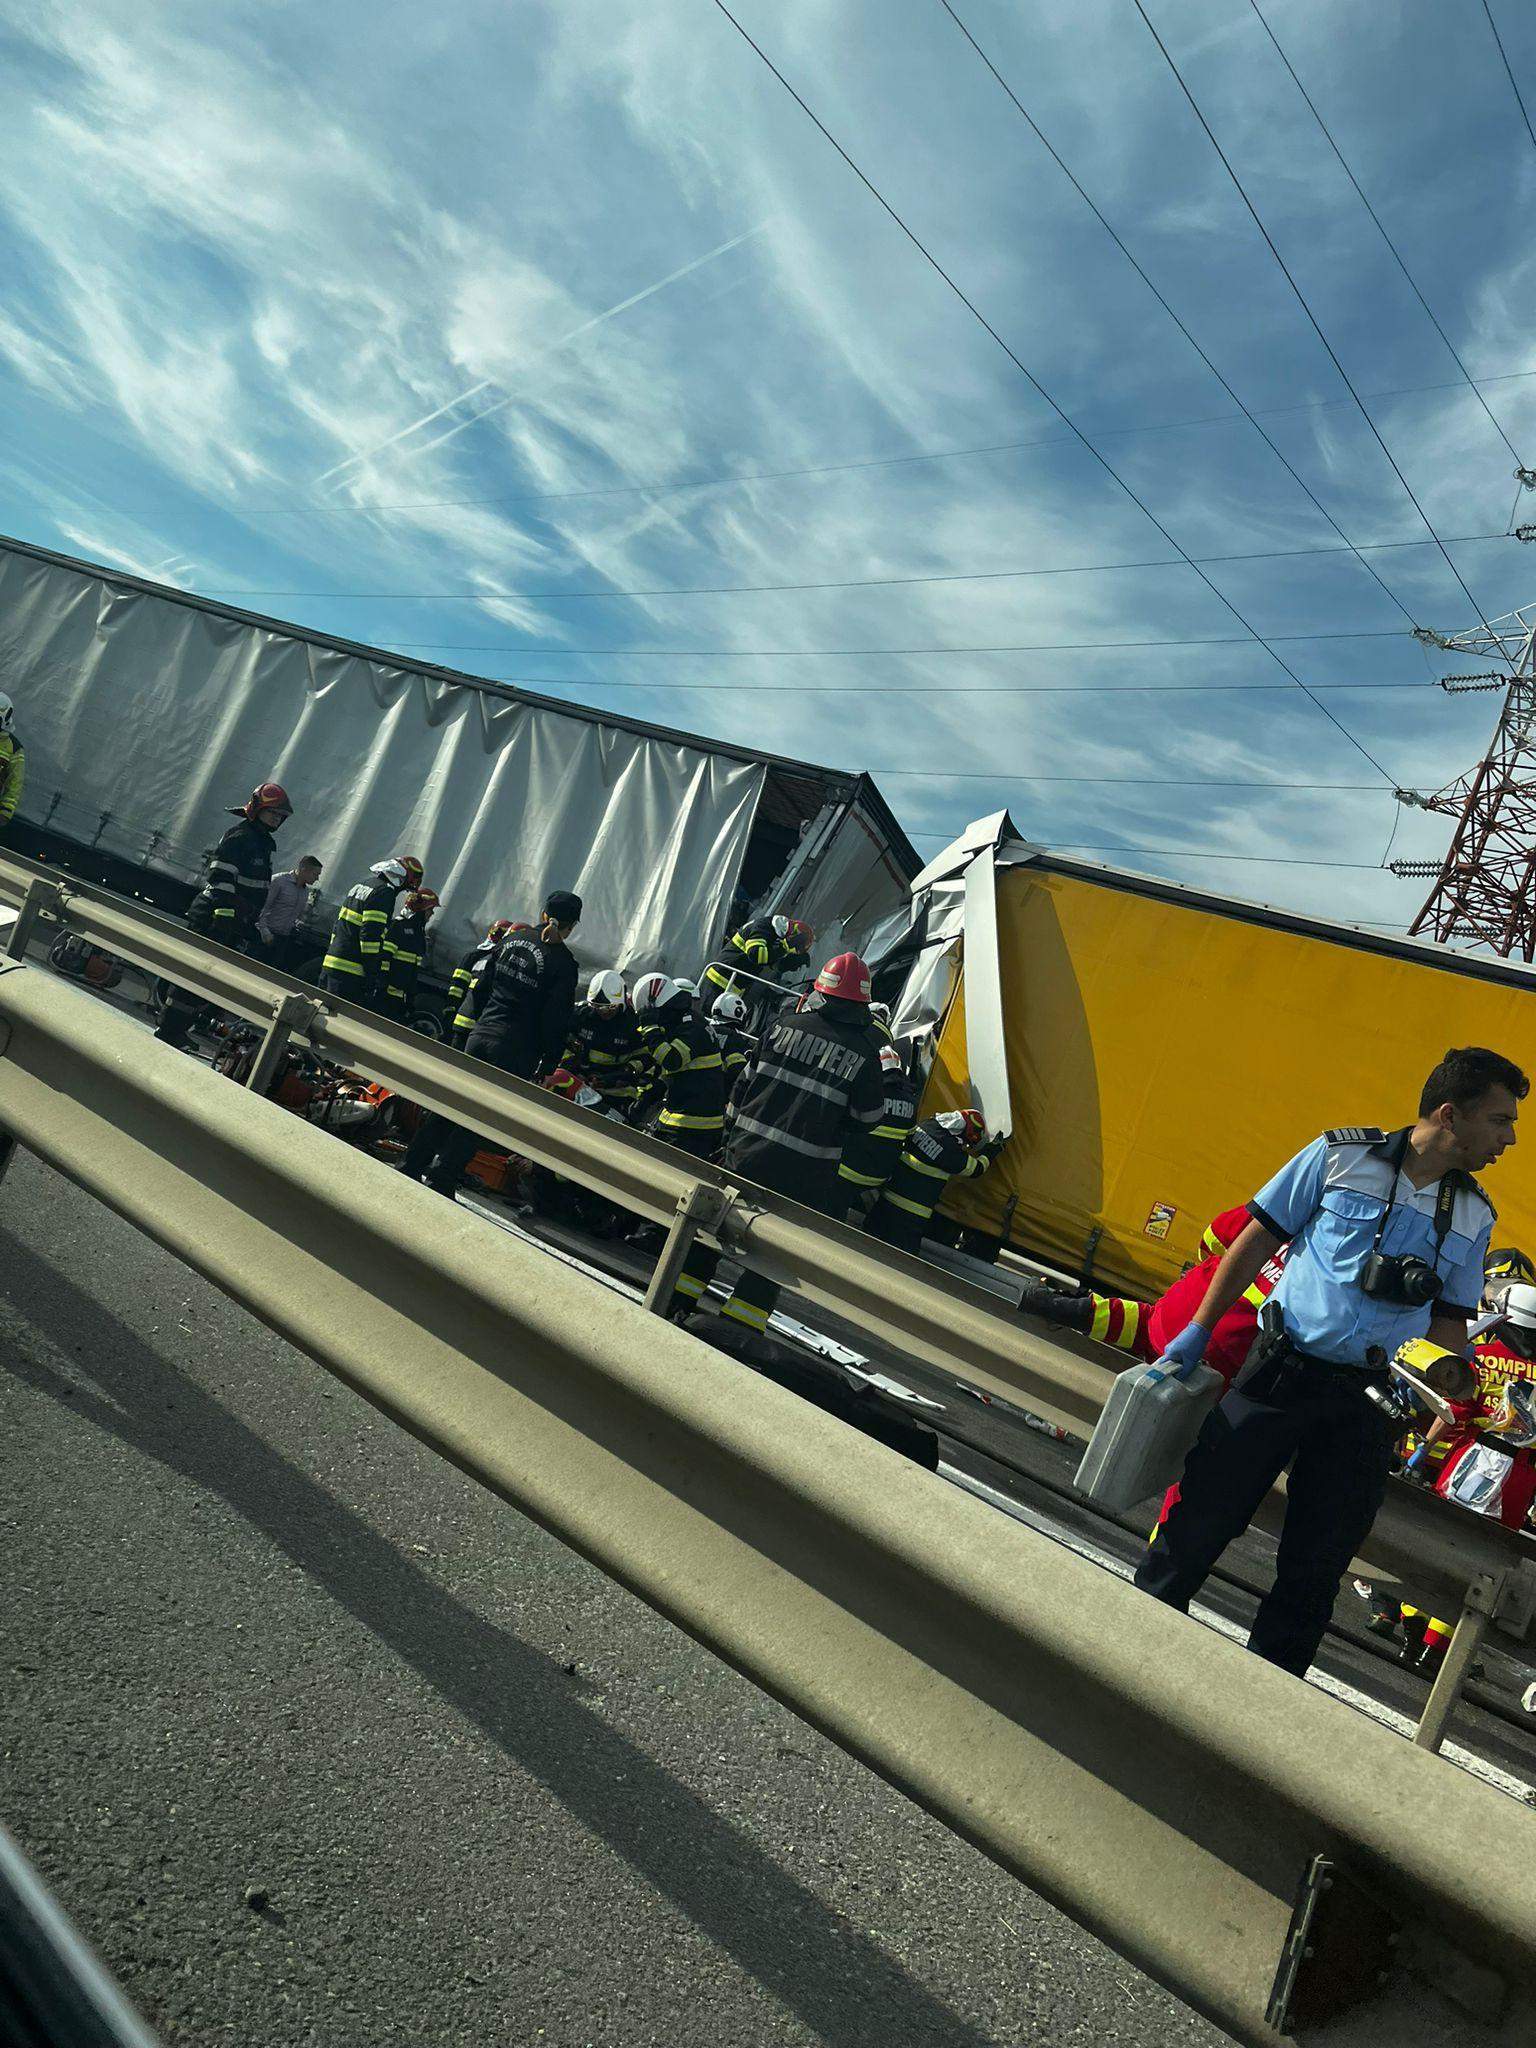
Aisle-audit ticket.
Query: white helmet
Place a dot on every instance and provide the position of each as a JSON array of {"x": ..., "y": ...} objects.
[
  {"x": 881, "y": 1012},
  {"x": 652, "y": 992},
  {"x": 606, "y": 986},
  {"x": 1519, "y": 1305},
  {"x": 7, "y": 712},
  {"x": 728, "y": 1009},
  {"x": 688, "y": 987}
]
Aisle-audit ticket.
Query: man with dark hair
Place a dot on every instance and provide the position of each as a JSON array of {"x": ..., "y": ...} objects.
[
  {"x": 1388, "y": 1233},
  {"x": 522, "y": 1027}
]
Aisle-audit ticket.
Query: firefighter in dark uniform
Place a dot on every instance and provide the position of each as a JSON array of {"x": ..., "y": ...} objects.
[
  {"x": 460, "y": 1010},
  {"x": 691, "y": 1069},
  {"x": 233, "y": 896},
  {"x": 405, "y": 947},
  {"x": 727, "y": 1022},
  {"x": 951, "y": 1146},
  {"x": 13, "y": 762},
  {"x": 605, "y": 1045},
  {"x": 1388, "y": 1235},
  {"x": 816, "y": 1083},
  {"x": 872, "y": 1156},
  {"x": 768, "y": 947},
  {"x": 355, "y": 963},
  {"x": 523, "y": 1026}
]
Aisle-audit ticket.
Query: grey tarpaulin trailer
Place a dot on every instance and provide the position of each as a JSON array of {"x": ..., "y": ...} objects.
[{"x": 146, "y": 712}]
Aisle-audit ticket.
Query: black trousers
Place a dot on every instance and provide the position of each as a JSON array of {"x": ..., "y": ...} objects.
[
  {"x": 441, "y": 1149},
  {"x": 1283, "y": 1411},
  {"x": 184, "y": 1012}
]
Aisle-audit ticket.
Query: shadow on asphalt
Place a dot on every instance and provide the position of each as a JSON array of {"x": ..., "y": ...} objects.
[{"x": 817, "y": 1963}]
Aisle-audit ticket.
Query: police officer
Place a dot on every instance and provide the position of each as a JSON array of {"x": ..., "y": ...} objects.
[
  {"x": 1388, "y": 1235},
  {"x": 523, "y": 1025}
]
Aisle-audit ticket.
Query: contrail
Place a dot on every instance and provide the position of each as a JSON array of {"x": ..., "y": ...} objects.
[{"x": 565, "y": 340}]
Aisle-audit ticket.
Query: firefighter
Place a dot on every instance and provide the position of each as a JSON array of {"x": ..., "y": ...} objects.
[
  {"x": 768, "y": 948},
  {"x": 871, "y": 1156},
  {"x": 727, "y": 1021},
  {"x": 816, "y": 1083},
  {"x": 605, "y": 1046},
  {"x": 232, "y": 898},
  {"x": 13, "y": 762},
  {"x": 405, "y": 947},
  {"x": 524, "y": 1021},
  {"x": 355, "y": 963},
  {"x": 464, "y": 993},
  {"x": 1483, "y": 1461},
  {"x": 950, "y": 1146},
  {"x": 691, "y": 1068}
]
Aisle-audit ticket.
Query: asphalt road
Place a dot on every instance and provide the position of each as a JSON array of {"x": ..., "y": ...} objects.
[{"x": 318, "y": 1743}]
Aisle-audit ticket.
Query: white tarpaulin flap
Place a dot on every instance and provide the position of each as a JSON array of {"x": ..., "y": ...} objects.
[{"x": 168, "y": 714}]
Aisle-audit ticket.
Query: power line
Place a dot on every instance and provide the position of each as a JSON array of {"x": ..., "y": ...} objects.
[
  {"x": 659, "y": 487},
  {"x": 1180, "y": 561},
  {"x": 1104, "y": 222},
  {"x": 1302, "y": 301},
  {"x": 927, "y": 689},
  {"x": 1509, "y": 74},
  {"x": 1019, "y": 364},
  {"x": 1110, "y": 781},
  {"x": 1381, "y": 230},
  {"x": 843, "y": 653}
]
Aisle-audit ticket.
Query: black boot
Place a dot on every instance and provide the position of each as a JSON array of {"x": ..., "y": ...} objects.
[{"x": 1066, "y": 1311}]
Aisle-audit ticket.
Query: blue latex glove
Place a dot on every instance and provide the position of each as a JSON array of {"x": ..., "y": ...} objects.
[
  {"x": 1414, "y": 1468},
  {"x": 1182, "y": 1353}
]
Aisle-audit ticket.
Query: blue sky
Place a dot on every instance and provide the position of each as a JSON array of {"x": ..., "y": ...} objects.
[{"x": 507, "y": 272}]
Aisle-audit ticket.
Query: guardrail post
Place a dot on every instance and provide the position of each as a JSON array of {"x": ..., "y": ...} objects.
[
  {"x": 290, "y": 1013},
  {"x": 702, "y": 1206},
  {"x": 1466, "y": 1641},
  {"x": 40, "y": 897}
]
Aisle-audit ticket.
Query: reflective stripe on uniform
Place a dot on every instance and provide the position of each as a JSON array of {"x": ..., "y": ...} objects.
[
  {"x": 860, "y": 1180},
  {"x": 746, "y": 1312},
  {"x": 917, "y": 1166},
  {"x": 770, "y": 1070},
  {"x": 673, "y": 1120},
  {"x": 787, "y": 1139},
  {"x": 912, "y": 1208},
  {"x": 331, "y": 964},
  {"x": 689, "y": 1284}
]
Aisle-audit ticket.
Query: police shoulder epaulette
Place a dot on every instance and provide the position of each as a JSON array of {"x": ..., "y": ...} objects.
[
  {"x": 1355, "y": 1134},
  {"x": 1475, "y": 1187}
]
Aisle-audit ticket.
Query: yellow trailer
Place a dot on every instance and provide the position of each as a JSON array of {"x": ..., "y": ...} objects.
[{"x": 1166, "y": 1050}]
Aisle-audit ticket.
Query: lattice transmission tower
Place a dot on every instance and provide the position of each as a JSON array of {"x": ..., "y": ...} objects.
[{"x": 1484, "y": 891}]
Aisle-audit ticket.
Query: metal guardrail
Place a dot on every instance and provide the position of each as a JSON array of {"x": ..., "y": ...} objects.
[
  {"x": 1171, "y": 1792},
  {"x": 1420, "y": 1547}
]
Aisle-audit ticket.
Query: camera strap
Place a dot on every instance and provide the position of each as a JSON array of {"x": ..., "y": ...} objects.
[{"x": 1446, "y": 1190}]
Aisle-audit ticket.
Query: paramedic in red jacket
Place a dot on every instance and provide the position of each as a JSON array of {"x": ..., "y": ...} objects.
[{"x": 1142, "y": 1328}]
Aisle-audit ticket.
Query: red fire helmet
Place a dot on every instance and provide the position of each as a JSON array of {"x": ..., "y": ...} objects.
[{"x": 846, "y": 977}]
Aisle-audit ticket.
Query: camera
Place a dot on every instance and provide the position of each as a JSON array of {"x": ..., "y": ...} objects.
[{"x": 1411, "y": 1282}]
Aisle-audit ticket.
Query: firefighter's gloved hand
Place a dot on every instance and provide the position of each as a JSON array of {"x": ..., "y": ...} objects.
[
  {"x": 1416, "y": 1468},
  {"x": 1183, "y": 1353},
  {"x": 993, "y": 1146}
]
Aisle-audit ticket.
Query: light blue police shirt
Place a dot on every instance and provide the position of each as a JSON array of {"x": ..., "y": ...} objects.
[{"x": 1328, "y": 1201}]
